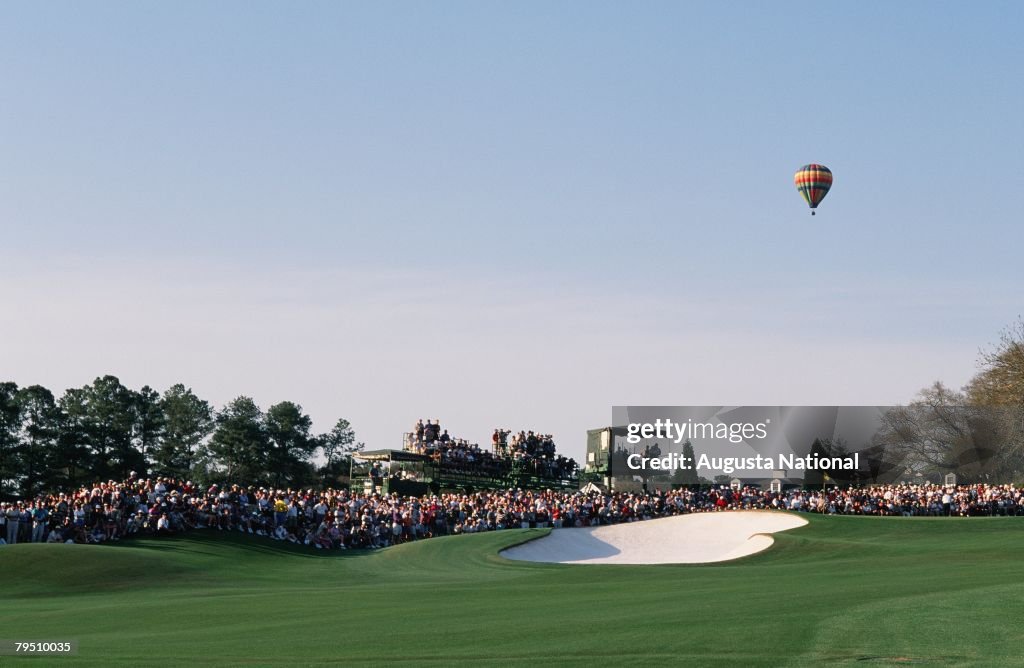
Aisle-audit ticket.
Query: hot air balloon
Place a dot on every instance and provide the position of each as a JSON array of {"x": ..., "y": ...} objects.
[{"x": 813, "y": 182}]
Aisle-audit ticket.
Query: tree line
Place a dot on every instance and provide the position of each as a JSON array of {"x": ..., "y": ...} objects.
[
  {"x": 976, "y": 432},
  {"x": 106, "y": 431}
]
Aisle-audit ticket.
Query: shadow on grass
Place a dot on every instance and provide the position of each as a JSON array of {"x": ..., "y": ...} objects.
[{"x": 186, "y": 543}]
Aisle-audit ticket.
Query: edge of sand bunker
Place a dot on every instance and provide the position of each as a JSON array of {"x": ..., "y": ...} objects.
[{"x": 699, "y": 538}]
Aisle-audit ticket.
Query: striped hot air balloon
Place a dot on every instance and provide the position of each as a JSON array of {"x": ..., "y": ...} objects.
[{"x": 813, "y": 182}]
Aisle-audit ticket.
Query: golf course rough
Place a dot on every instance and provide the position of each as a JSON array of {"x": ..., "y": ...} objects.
[{"x": 841, "y": 590}]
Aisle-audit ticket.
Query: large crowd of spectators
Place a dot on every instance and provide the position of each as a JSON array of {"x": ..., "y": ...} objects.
[{"x": 344, "y": 519}]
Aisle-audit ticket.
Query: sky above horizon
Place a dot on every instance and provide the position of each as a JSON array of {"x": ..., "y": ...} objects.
[{"x": 503, "y": 214}]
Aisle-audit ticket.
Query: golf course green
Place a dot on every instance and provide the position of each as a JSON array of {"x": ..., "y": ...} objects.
[{"x": 857, "y": 590}]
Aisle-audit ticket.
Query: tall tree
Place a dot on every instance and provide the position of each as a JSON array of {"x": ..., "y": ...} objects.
[
  {"x": 149, "y": 421},
  {"x": 239, "y": 443},
  {"x": 291, "y": 445},
  {"x": 106, "y": 410},
  {"x": 338, "y": 445},
  {"x": 999, "y": 388},
  {"x": 1001, "y": 379},
  {"x": 339, "y": 442},
  {"x": 41, "y": 422},
  {"x": 919, "y": 437},
  {"x": 73, "y": 458},
  {"x": 188, "y": 420},
  {"x": 10, "y": 426}
]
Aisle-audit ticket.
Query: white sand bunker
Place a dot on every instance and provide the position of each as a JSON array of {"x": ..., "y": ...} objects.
[{"x": 683, "y": 539}]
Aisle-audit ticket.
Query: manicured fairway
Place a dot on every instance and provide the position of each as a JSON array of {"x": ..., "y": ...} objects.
[{"x": 841, "y": 590}]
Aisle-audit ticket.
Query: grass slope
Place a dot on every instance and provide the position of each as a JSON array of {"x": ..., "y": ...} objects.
[{"x": 841, "y": 590}]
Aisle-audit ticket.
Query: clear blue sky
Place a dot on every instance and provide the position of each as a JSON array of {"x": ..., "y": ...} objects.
[{"x": 508, "y": 214}]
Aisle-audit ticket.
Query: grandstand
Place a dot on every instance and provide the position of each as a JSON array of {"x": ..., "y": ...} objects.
[{"x": 421, "y": 467}]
